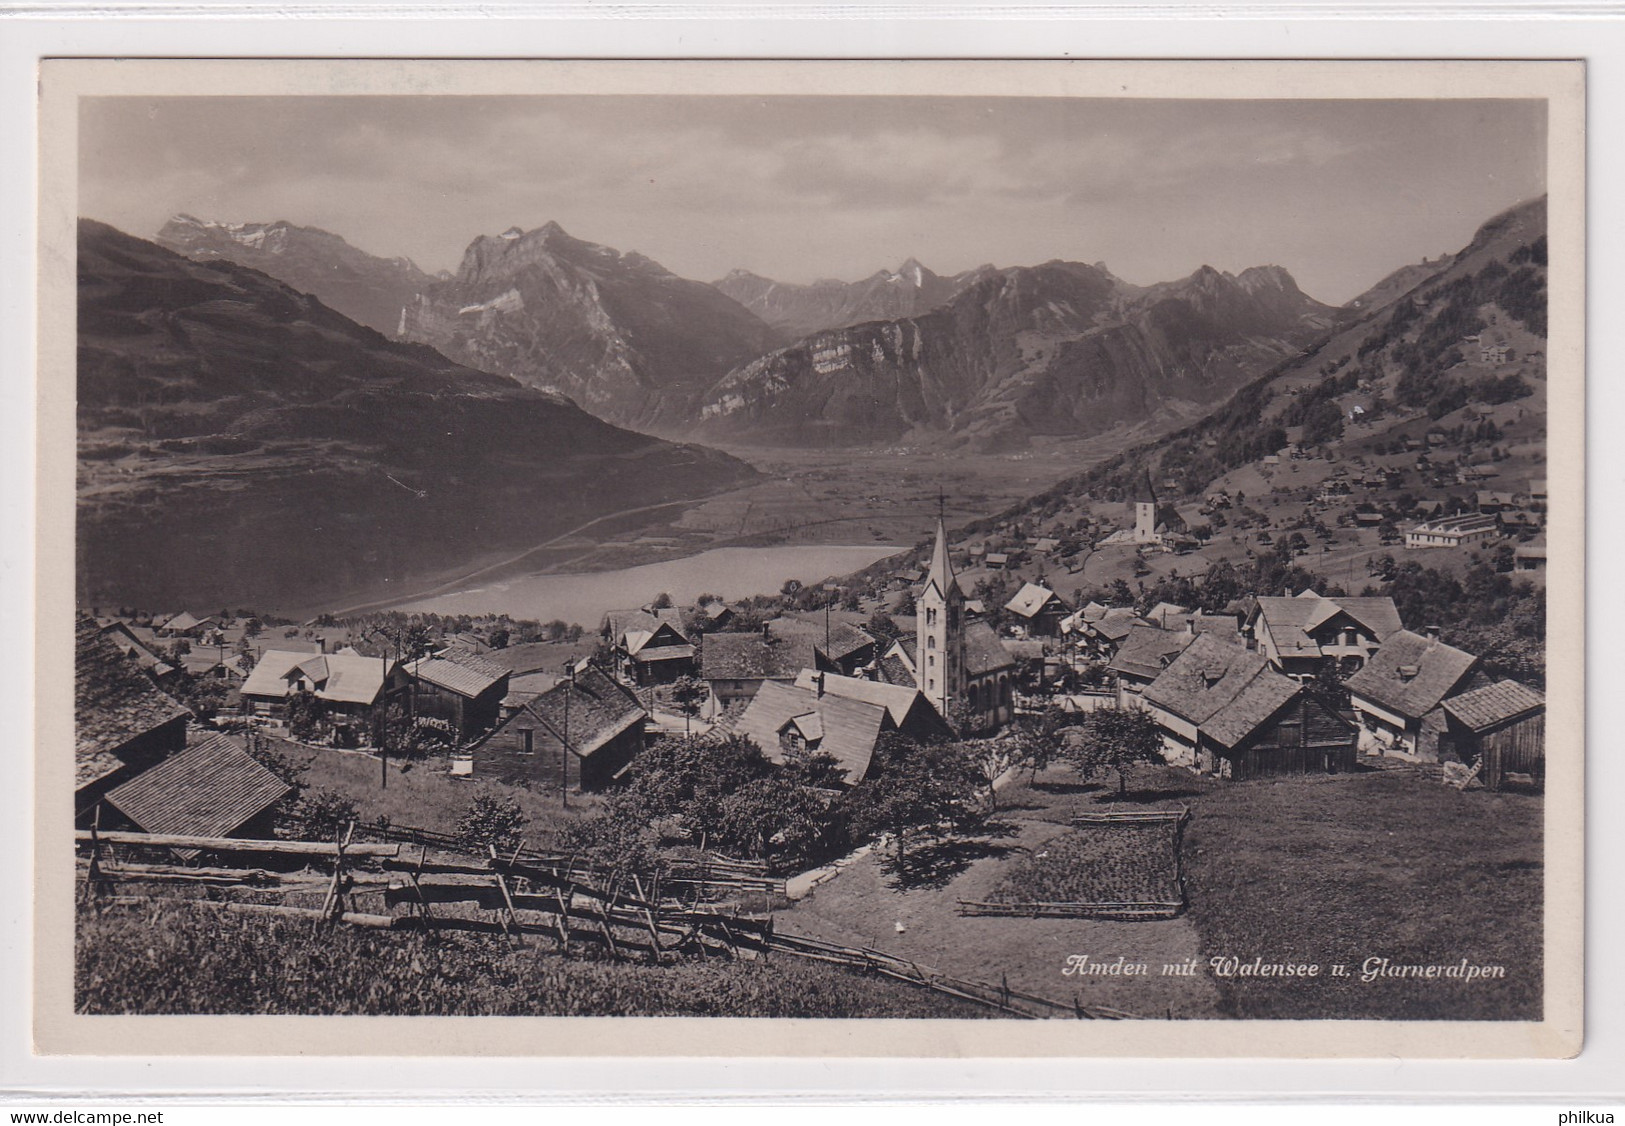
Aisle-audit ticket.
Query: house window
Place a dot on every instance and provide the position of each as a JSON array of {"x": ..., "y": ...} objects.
[{"x": 530, "y": 746}]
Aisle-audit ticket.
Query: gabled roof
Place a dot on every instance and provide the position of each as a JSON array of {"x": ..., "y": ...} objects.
[
  {"x": 1031, "y": 599},
  {"x": 586, "y": 712},
  {"x": 1115, "y": 623},
  {"x": 1146, "y": 651},
  {"x": 1484, "y": 708},
  {"x": 184, "y": 621},
  {"x": 113, "y": 703},
  {"x": 459, "y": 671},
  {"x": 850, "y": 727},
  {"x": 1162, "y": 611},
  {"x": 810, "y": 727},
  {"x": 845, "y": 639},
  {"x": 897, "y": 699},
  {"x": 210, "y": 789},
  {"x": 941, "y": 572},
  {"x": 748, "y": 656},
  {"x": 1432, "y": 671},
  {"x": 1227, "y": 691},
  {"x": 1292, "y": 621},
  {"x": 126, "y": 641},
  {"x": 346, "y": 678},
  {"x": 619, "y": 623},
  {"x": 984, "y": 652}
]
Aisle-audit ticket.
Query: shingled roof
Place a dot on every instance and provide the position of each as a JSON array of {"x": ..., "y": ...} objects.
[
  {"x": 1030, "y": 600},
  {"x": 1227, "y": 691},
  {"x": 845, "y": 639},
  {"x": 114, "y": 702},
  {"x": 211, "y": 789},
  {"x": 1292, "y": 620},
  {"x": 345, "y": 678},
  {"x": 459, "y": 671},
  {"x": 619, "y": 623},
  {"x": 750, "y": 656},
  {"x": 1494, "y": 704},
  {"x": 587, "y": 711},
  {"x": 1411, "y": 674},
  {"x": 984, "y": 652},
  {"x": 1146, "y": 651},
  {"x": 850, "y": 727}
]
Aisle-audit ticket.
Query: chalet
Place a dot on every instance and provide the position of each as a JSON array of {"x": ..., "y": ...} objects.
[
  {"x": 1451, "y": 531},
  {"x": 1038, "y": 610},
  {"x": 1101, "y": 638},
  {"x": 736, "y": 665},
  {"x": 213, "y": 788},
  {"x": 464, "y": 690},
  {"x": 717, "y": 615},
  {"x": 1490, "y": 503},
  {"x": 997, "y": 560},
  {"x": 349, "y": 684},
  {"x": 896, "y": 663},
  {"x": 1398, "y": 692},
  {"x": 1047, "y": 546},
  {"x": 184, "y": 625},
  {"x": 1367, "y": 519},
  {"x": 783, "y": 718},
  {"x": 907, "y": 709},
  {"x": 1224, "y": 711},
  {"x": 1529, "y": 556},
  {"x": 207, "y": 664},
  {"x": 1300, "y": 635},
  {"x": 1537, "y": 491},
  {"x": 579, "y": 735},
  {"x": 649, "y": 645},
  {"x": 1518, "y": 519},
  {"x": 1145, "y": 652},
  {"x": 1501, "y": 729},
  {"x": 123, "y": 722}
]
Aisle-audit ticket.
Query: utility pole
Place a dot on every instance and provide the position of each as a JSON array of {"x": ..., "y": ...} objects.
[{"x": 564, "y": 753}]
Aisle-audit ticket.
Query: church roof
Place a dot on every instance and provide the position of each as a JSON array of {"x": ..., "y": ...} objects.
[{"x": 941, "y": 572}]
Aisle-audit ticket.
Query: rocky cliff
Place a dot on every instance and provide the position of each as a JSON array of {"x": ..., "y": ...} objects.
[{"x": 618, "y": 333}]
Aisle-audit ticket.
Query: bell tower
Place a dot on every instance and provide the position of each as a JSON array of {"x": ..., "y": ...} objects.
[{"x": 940, "y": 658}]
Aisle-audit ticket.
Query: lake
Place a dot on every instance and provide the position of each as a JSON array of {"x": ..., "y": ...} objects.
[{"x": 729, "y": 572}]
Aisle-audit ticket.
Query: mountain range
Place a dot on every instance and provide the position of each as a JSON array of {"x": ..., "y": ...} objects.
[
  {"x": 801, "y": 310},
  {"x": 990, "y": 357},
  {"x": 1060, "y": 349},
  {"x": 240, "y": 442},
  {"x": 369, "y": 290}
]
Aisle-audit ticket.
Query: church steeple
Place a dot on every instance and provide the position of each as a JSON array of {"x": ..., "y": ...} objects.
[
  {"x": 942, "y": 567},
  {"x": 940, "y": 658}
]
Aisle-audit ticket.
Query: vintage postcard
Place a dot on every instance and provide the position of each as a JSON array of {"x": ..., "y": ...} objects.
[{"x": 795, "y": 558}]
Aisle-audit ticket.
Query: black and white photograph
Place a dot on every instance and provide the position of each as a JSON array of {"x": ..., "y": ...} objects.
[{"x": 866, "y": 546}]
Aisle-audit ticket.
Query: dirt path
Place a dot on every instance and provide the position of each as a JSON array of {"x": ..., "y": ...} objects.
[{"x": 861, "y": 907}]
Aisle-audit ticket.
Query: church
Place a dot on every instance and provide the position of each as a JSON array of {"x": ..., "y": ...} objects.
[{"x": 962, "y": 667}]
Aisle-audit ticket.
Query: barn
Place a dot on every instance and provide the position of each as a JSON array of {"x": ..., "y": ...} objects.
[
  {"x": 1223, "y": 710},
  {"x": 1502, "y": 729}
]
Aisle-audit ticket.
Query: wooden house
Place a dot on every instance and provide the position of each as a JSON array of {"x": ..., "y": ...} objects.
[
  {"x": 844, "y": 649},
  {"x": 1398, "y": 692},
  {"x": 1301, "y": 635},
  {"x": 1038, "y": 610},
  {"x": 459, "y": 687},
  {"x": 123, "y": 722},
  {"x": 350, "y": 686},
  {"x": 1142, "y": 657},
  {"x": 579, "y": 735},
  {"x": 1224, "y": 711},
  {"x": 1501, "y": 728},
  {"x": 736, "y": 665},
  {"x": 649, "y": 645}
]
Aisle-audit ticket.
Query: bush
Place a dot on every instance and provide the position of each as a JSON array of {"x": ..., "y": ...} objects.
[
  {"x": 491, "y": 822},
  {"x": 325, "y": 815}
]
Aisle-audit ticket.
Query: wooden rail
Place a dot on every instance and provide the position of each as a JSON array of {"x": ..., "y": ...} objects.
[{"x": 234, "y": 844}]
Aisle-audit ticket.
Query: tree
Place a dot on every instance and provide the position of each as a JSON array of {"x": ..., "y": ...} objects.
[
  {"x": 325, "y": 815},
  {"x": 688, "y": 694},
  {"x": 662, "y": 601},
  {"x": 499, "y": 637},
  {"x": 306, "y": 716},
  {"x": 914, "y": 787},
  {"x": 490, "y": 821},
  {"x": 776, "y": 817},
  {"x": 1114, "y": 739},
  {"x": 880, "y": 625},
  {"x": 992, "y": 757},
  {"x": 416, "y": 642}
]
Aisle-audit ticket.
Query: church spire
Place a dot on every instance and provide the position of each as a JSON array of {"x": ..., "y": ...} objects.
[{"x": 942, "y": 568}]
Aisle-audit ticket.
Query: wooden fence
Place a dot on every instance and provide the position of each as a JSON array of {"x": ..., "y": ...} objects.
[
  {"x": 1124, "y": 911},
  {"x": 516, "y": 896}
]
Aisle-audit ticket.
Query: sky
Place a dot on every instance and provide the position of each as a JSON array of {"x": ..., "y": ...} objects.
[{"x": 797, "y": 188}]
